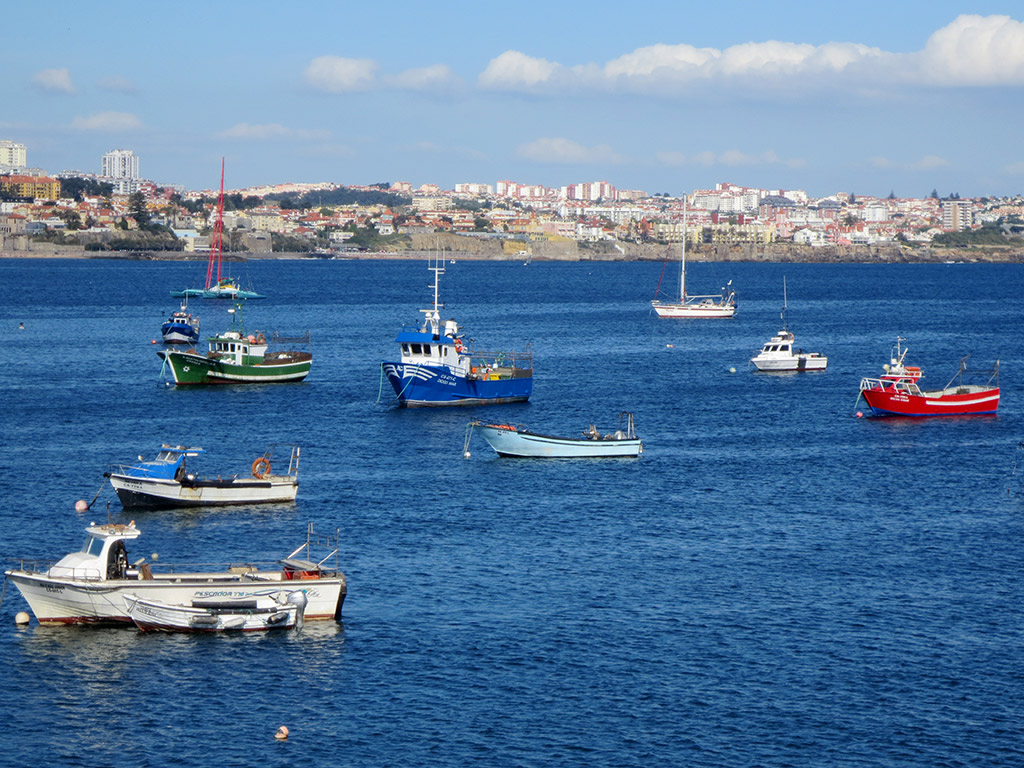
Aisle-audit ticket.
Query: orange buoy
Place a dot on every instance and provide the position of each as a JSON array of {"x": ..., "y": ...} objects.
[{"x": 282, "y": 733}]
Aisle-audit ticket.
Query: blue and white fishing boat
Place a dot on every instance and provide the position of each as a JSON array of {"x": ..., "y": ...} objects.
[
  {"x": 438, "y": 367},
  {"x": 182, "y": 327},
  {"x": 166, "y": 481}
]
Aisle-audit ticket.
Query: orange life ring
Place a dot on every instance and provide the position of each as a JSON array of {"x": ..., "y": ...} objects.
[
  {"x": 458, "y": 345},
  {"x": 261, "y": 467}
]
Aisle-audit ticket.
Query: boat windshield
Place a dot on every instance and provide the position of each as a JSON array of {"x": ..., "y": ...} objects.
[
  {"x": 167, "y": 457},
  {"x": 92, "y": 546}
]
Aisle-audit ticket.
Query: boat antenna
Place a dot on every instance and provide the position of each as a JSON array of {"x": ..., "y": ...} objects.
[{"x": 785, "y": 302}]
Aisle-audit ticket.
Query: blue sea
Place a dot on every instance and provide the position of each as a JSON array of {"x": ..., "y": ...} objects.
[{"x": 775, "y": 582}]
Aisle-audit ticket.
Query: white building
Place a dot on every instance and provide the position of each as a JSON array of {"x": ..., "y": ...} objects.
[
  {"x": 12, "y": 156},
  {"x": 120, "y": 164},
  {"x": 956, "y": 215}
]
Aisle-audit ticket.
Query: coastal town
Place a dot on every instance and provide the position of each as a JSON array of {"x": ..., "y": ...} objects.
[{"x": 117, "y": 210}]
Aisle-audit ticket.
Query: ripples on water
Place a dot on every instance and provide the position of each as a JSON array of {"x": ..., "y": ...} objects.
[{"x": 774, "y": 582}]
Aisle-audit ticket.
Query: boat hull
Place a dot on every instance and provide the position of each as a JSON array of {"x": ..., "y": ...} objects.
[
  {"x": 214, "y": 293},
  {"x": 421, "y": 386},
  {"x": 56, "y": 600},
  {"x": 179, "y": 334},
  {"x": 947, "y": 402},
  {"x": 159, "y": 493},
  {"x": 225, "y": 616},
  {"x": 799, "y": 363},
  {"x": 510, "y": 442},
  {"x": 193, "y": 368},
  {"x": 664, "y": 309}
]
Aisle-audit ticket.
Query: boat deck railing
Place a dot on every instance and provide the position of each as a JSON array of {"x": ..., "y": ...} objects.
[
  {"x": 278, "y": 338},
  {"x": 902, "y": 386},
  {"x": 521, "y": 361},
  {"x": 199, "y": 573}
]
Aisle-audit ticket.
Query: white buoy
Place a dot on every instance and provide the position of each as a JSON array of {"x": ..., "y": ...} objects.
[
  {"x": 21, "y": 618},
  {"x": 732, "y": 370},
  {"x": 282, "y": 733},
  {"x": 466, "y": 455},
  {"x": 81, "y": 505}
]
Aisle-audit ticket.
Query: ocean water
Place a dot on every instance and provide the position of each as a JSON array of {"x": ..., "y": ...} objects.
[{"x": 775, "y": 582}]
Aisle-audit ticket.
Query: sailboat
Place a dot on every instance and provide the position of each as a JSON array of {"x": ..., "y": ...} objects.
[
  {"x": 708, "y": 305},
  {"x": 225, "y": 287},
  {"x": 778, "y": 353}
]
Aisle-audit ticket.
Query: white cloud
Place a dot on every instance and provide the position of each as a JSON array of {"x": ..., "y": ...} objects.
[
  {"x": 971, "y": 50},
  {"x": 269, "y": 131},
  {"x": 118, "y": 84},
  {"x": 247, "y": 131},
  {"x": 928, "y": 163},
  {"x": 558, "y": 150},
  {"x": 1015, "y": 168},
  {"x": 335, "y": 74},
  {"x": 975, "y": 50},
  {"x": 731, "y": 158},
  {"x": 513, "y": 70},
  {"x": 437, "y": 77},
  {"x": 108, "y": 122},
  {"x": 54, "y": 80}
]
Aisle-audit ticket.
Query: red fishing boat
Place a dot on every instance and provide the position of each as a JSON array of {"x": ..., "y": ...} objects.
[{"x": 897, "y": 392}]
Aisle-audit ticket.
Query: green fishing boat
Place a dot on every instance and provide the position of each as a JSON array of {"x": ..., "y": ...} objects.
[{"x": 235, "y": 357}]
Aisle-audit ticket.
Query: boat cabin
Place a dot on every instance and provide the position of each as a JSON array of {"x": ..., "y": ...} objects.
[
  {"x": 428, "y": 346},
  {"x": 103, "y": 556},
  {"x": 169, "y": 463},
  {"x": 235, "y": 348}
]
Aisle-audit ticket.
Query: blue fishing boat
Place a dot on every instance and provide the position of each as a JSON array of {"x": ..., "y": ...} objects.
[
  {"x": 438, "y": 367},
  {"x": 182, "y": 327}
]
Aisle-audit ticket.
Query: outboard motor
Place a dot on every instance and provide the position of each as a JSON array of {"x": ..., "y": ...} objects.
[{"x": 298, "y": 598}]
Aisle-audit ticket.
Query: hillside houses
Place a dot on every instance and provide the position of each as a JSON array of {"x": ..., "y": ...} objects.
[{"x": 727, "y": 214}]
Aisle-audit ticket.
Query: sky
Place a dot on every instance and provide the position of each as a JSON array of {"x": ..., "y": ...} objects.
[{"x": 873, "y": 98}]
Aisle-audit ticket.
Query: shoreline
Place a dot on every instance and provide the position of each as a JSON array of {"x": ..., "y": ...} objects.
[{"x": 657, "y": 253}]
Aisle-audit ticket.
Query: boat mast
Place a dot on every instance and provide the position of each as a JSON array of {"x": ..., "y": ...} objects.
[
  {"x": 433, "y": 316},
  {"x": 784, "y": 302},
  {"x": 217, "y": 243},
  {"x": 682, "y": 259}
]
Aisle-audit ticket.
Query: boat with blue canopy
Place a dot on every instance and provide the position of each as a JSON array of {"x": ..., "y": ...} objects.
[{"x": 167, "y": 481}]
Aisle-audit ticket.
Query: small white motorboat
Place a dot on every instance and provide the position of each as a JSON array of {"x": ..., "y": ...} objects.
[
  {"x": 92, "y": 586},
  {"x": 519, "y": 442},
  {"x": 778, "y": 353},
  {"x": 282, "y": 610}
]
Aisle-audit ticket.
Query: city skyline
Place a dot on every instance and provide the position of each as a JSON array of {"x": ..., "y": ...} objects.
[{"x": 868, "y": 100}]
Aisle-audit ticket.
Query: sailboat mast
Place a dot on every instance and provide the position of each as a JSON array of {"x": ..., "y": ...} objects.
[
  {"x": 682, "y": 259},
  {"x": 217, "y": 242},
  {"x": 220, "y": 220}
]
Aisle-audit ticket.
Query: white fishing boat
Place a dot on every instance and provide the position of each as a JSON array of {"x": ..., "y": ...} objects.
[
  {"x": 283, "y": 610},
  {"x": 703, "y": 306},
  {"x": 779, "y": 352},
  {"x": 519, "y": 442},
  {"x": 168, "y": 481},
  {"x": 90, "y": 586}
]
